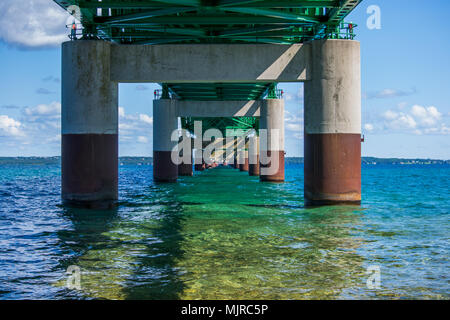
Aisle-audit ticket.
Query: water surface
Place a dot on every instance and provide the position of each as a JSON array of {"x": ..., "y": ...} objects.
[{"x": 224, "y": 235}]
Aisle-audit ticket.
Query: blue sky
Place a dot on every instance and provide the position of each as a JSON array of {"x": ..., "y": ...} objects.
[{"x": 405, "y": 84}]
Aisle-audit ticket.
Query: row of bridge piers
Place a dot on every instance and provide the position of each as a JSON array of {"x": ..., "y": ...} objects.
[
  {"x": 243, "y": 151},
  {"x": 330, "y": 70}
]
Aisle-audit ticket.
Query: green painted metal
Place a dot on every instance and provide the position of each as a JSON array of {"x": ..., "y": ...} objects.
[
  {"x": 273, "y": 92},
  {"x": 228, "y": 126},
  {"x": 212, "y": 21}
]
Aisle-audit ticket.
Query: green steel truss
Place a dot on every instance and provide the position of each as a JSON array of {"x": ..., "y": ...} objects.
[
  {"x": 228, "y": 126},
  {"x": 219, "y": 91},
  {"x": 212, "y": 21}
]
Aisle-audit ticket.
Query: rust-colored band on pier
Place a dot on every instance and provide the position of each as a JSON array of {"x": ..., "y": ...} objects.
[
  {"x": 332, "y": 169},
  {"x": 244, "y": 166},
  {"x": 185, "y": 169},
  {"x": 199, "y": 167},
  {"x": 253, "y": 169},
  {"x": 164, "y": 170},
  {"x": 278, "y": 176},
  {"x": 89, "y": 169}
]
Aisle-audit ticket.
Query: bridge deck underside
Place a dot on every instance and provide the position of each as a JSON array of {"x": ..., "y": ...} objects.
[
  {"x": 238, "y": 126},
  {"x": 219, "y": 91},
  {"x": 210, "y": 21}
]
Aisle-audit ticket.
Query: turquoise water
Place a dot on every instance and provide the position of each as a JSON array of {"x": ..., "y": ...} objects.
[{"x": 223, "y": 235}]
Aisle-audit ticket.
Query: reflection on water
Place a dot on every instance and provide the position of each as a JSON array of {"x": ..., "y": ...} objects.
[{"x": 219, "y": 235}]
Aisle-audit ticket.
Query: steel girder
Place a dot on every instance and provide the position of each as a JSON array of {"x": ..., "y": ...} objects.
[{"x": 210, "y": 21}]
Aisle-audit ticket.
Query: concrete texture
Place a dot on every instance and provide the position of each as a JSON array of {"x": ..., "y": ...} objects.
[
  {"x": 272, "y": 120},
  {"x": 333, "y": 95},
  {"x": 271, "y": 133},
  {"x": 165, "y": 121},
  {"x": 89, "y": 98},
  {"x": 207, "y": 109},
  {"x": 178, "y": 63}
]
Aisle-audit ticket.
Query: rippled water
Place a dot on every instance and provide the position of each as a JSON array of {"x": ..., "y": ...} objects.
[{"x": 223, "y": 235}]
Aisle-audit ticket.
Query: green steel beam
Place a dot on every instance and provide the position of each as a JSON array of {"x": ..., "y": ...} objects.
[
  {"x": 120, "y": 4},
  {"x": 338, "y": 13},
  {"x": 193, "y": 3},
  {"x": 276, "y": 14},
  {"x": 141, "y": 15},
  {"x": 183, "y": 31}
]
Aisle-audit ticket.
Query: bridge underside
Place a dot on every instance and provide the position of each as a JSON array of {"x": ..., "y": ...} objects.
[
  {"x": 218, "y": 61},
  {"x": 220, "y": 92},
  {"x": 212, "y": 21}
]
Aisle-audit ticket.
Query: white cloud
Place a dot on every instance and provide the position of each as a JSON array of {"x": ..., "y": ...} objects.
[
  {"x": 429, "y": 116},
  {"x": 142, "y": 139},
  {"x": 388, "y": 93},
  {"x": 145, "y": 118},
  {"x": 294, "y": 127},
  {"x": 32, "y": 23},
  {"x": 296, "y": 96},
  {"x": 121, "y": 112},
  {"x": 390, "y": 115},
  {"x": 9, "y": 126},
  {"x": 418, "y": 120},
  {"x": 52, "y": 109},
  {"x": 133, "y": 127},
  {"x": 293, "y": 122},
  {"x": 368, "y": 127}
]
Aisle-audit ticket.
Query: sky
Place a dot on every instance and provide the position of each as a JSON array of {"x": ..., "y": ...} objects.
[{"x": 405, "y": 83}]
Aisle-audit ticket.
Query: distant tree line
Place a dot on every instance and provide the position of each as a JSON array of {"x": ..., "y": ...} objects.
[{"x": 149, "y": 161}]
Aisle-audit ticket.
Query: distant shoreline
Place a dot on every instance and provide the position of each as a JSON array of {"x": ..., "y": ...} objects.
[{"x": 289, "y": 160}]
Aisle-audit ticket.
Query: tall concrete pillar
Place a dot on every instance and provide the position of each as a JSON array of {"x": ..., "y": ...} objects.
[
  {"x": 165, "y": 121},
  {"x": 89, "y": 125},
  {"x": 332, "y": 147},
  {"x": 253, "y": 156},
  {"x": 271, "y": 155}
]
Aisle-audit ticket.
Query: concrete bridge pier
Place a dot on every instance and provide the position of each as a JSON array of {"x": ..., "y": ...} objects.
[
  {"x": 271, "y": 155},
  {"x": 243, "y": 155},
  {"x": 253, "y": 156},
  {"x": 89, "y": 125},
  {"x": 240, "y": 147},
  {"x": 333, "y": 124},
  {"x": 165, "y": 121}
]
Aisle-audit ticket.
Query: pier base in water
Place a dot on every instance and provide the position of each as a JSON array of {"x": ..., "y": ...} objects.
[
  {"x": 89, "y": 126},
  {"x": 271, "y": 155},
  {"x": 332, "y": 147},
  {"x": 165, "y": 122}
]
